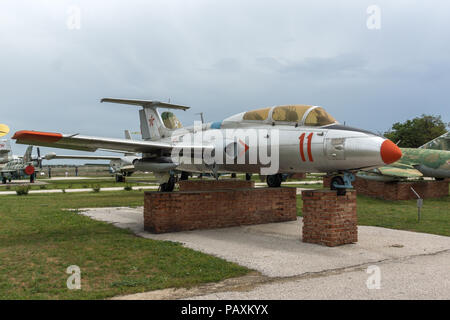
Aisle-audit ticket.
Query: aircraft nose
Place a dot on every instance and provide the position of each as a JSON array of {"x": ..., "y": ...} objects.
[{"x": 390, "y": 152}]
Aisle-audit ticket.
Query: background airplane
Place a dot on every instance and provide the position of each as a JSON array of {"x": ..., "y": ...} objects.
[
  {"x": 430, "y": 160},
  {"x": 310, "y": 140},
  {"x": 5, "y": 151},
  {"x": 22, "y": 167}
]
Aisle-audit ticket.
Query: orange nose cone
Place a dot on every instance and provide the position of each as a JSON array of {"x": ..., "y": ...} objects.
[{"x": 390, "y": 152}]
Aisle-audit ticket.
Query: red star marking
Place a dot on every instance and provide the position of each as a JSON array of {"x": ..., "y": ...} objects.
[
  {"x": 151, "y": 121},
  {"x": 246, "y": 147}
]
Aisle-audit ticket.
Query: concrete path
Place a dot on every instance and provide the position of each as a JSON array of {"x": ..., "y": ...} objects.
[
  {"x": 80, "y": 190},
  {"x": 412, "y": 265},
  {"x": 27, "y": 181},
  {"x": 154, "y": 187}
]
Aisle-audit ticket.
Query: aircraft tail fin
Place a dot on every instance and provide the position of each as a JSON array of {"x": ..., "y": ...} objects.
[
  {"x": 27, "y": 155},
  {"x": 5, "y": 147},
  {"x": 154, "y": 126},
  {"x": 5, "y": 151},
  {"x": 128, "y": 137}
]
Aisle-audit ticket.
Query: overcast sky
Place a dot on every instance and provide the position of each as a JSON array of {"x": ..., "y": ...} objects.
[{"x": 220, "y": 58}]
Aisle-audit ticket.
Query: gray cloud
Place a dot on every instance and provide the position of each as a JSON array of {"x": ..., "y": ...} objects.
[{"x": 220, "y": 57}]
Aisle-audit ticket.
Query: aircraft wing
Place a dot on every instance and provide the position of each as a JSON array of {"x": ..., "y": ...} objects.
[
  {"x": 395, "y": 171},
  {"x": 88, "y": 143},
  {"x": 402, "y": 171}
]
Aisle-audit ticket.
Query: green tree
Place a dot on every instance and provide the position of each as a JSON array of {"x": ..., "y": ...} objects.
[{"x": 416, "y": 132}]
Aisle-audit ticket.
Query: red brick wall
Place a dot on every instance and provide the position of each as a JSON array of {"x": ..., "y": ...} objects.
[
  {"x": 190, "y": 185},
  {"x": 190, "y": 210},
  {"x": 399, "y": 190},
  {"x": 329, "y": 219}
]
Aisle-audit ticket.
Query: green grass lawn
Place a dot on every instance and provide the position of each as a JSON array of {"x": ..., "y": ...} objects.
[
  {"x": 435, "y": 214},
  {"x": 39, "y": 240},
  {"x": 306, "y": 186}
]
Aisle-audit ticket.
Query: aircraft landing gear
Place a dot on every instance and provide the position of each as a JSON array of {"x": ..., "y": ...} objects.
[
  {"x": 120, "y": 178},
  {"x": 184, "y": 175},
  {"x": 342, "y": 183},
  {"x": 168, "y": 186},
  {"x": 274, "y": 181}
]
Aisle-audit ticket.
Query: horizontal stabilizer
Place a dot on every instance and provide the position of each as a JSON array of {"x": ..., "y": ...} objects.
[{"x": 145, "y": 103}]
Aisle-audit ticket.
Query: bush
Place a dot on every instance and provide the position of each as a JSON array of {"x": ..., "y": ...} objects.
[
  {"x": 128, "y": 187},
  {"x": 22, "y": 190},
  {"x": 96, "y": 188}
]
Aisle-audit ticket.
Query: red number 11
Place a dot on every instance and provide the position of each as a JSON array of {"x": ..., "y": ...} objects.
[{"x": 302, "y": 153}]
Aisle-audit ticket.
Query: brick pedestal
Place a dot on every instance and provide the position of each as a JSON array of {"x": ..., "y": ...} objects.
[
  {"x": 207, "y": 185},
  {"x": 329, "y": 219},
  {"x": 399, "y": 190},
  {"x": 190, "y": 210}
]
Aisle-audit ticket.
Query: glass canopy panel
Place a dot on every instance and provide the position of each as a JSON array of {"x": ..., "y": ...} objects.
[
  {"x": 170, "y": 120},
  {"x": 260, "y": 114},
  {"x": 319, "y": 117},
  {"x": 289, "y": 113}
]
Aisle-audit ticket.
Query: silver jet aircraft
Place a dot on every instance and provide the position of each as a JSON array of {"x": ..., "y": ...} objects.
[{"x": 273, "y": 141}]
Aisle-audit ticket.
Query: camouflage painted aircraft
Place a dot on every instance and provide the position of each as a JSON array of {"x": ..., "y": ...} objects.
[
  {"x": 22, "y": 167},
  {"x": 430, "y": 160},
  {"x": 272, "y": 141},
  {"x": 120, "y": 166}
]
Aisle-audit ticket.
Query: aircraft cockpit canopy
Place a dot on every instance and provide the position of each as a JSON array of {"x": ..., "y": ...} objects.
[
  {"x": 259, "y": 114},
  {"x": 170, "y": 120},
  {"x": 302, "y": 114}
]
